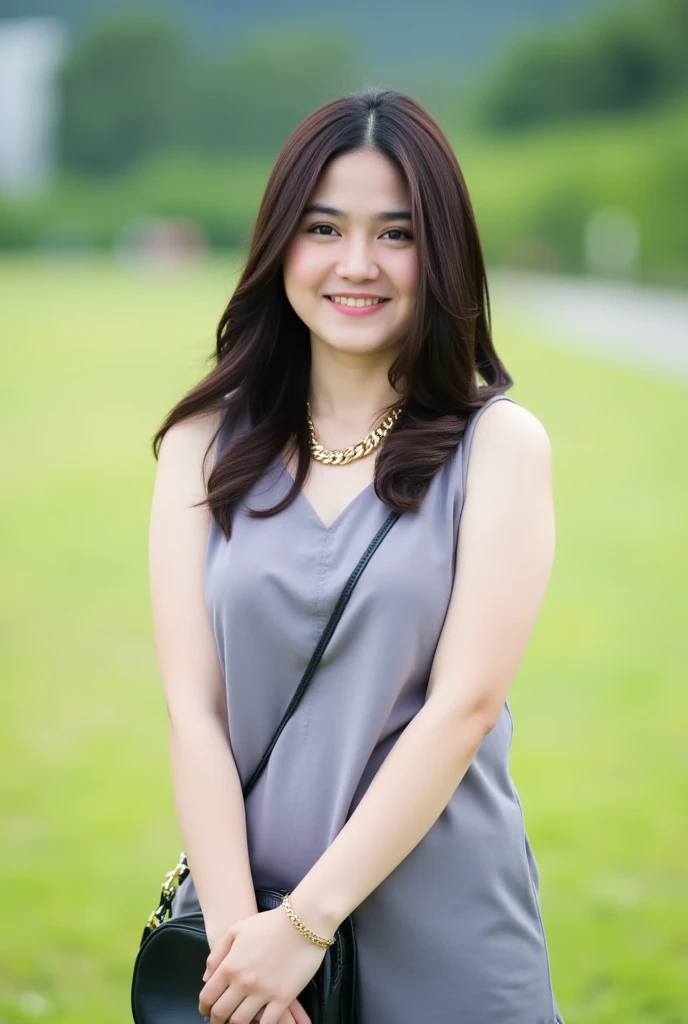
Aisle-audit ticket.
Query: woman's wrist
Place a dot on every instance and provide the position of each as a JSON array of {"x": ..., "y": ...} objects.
[{"x": 216, "y": 929}]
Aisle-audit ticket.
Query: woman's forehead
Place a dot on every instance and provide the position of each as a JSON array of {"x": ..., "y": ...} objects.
[{"x": 359, "y": 175}]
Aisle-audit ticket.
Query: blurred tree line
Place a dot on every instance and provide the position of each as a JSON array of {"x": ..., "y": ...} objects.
[
  {"x": 134, "y": 86},
  {"x": 626, "y": 59},
  {"x": 154, "y": 125}
]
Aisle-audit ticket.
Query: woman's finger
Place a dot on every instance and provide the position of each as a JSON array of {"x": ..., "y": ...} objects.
[
  {"x": 218, "y": 953},
  {"x": 299, "y": 1014}
]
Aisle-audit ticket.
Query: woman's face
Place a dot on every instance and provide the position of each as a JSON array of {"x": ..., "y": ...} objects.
[{"x": 362, "y": 245}]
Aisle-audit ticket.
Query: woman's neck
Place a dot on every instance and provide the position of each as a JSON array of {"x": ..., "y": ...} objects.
[{"x": 351, "y": 394}]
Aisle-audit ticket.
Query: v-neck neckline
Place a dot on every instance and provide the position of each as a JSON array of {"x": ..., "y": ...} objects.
[{"x": 311, "y": 508}]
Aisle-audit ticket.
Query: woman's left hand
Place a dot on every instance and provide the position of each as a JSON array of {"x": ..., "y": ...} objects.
[{"x": 262, "y": 961}]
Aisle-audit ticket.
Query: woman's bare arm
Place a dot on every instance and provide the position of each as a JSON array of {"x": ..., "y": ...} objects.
[
  {"x": 504, "y": 559},
  {"x": 207, "y": 789}
]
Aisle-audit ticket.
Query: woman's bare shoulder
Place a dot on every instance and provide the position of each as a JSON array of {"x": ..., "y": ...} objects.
[
  {"x": 510, "y": 424},
  {"x": 188, "y": 448}
]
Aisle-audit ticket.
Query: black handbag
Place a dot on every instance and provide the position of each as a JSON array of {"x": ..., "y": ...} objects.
[{"x": 171, "y": 959}]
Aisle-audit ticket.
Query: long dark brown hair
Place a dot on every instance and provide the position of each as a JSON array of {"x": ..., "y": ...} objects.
[{"x": 263, "y": 357}]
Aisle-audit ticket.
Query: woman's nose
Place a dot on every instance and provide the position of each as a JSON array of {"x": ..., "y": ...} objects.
[{"x": 358, "y": 262}]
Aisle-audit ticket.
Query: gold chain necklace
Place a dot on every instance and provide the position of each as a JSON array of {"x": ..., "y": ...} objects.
[{"x": 341, "y": 456}]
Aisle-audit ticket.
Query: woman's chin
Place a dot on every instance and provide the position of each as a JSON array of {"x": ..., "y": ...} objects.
[{"x": 354, "y": 343}]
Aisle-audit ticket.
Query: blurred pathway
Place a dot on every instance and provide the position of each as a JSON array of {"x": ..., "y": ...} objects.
[{"x": 640, "y": 325}]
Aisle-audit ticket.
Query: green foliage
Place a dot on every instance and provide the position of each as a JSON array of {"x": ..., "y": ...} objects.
[
  {"x": 95, "y": 356},
  {"x": 628, "y": 58},
  {"x": 133, "y": 87},
  {"x": 221, "y": 196},
  {"x": 258, "y": 90},
  {"x": 123, "y": 94},
  {"x": 534, "y": 192}
]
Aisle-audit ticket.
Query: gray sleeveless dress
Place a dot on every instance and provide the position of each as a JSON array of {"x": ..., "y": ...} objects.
[{"x": 454, "y": 934}]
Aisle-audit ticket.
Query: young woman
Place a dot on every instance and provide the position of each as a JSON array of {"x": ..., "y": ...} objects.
[{"x": 363, "y": 304}]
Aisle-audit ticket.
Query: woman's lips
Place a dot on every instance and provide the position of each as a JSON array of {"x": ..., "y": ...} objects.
[{"x": 357, "y": 310}]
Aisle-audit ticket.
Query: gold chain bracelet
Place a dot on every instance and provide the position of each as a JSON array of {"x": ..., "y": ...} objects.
[{"x": 298, "y": 923}]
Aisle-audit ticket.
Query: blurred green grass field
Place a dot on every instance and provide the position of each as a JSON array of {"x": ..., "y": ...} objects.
[{"x": 93, "y": 357}]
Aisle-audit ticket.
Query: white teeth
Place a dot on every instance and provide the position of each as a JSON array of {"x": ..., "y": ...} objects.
[{"x": 344, "y": 301}]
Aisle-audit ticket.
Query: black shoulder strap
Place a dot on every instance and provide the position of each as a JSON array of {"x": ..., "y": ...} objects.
[
  {"x": 324, "y": 640},
  {"x": 175, "y": 877}
]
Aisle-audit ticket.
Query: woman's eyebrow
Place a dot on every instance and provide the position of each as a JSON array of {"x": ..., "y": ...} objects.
[{"x": 332, "y": 212}]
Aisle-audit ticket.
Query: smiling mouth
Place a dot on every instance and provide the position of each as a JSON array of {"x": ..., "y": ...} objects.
[{"x": 358, "y": 303}]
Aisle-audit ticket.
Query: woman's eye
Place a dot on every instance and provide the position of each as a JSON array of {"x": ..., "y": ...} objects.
[
  {"x": 399, "y": 231},
  {"x": 312, "y": 229},
  {"x": 328, "y": 227}
]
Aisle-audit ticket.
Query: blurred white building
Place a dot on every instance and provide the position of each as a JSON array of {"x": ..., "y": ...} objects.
[{"x": 30, "y": 53}]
